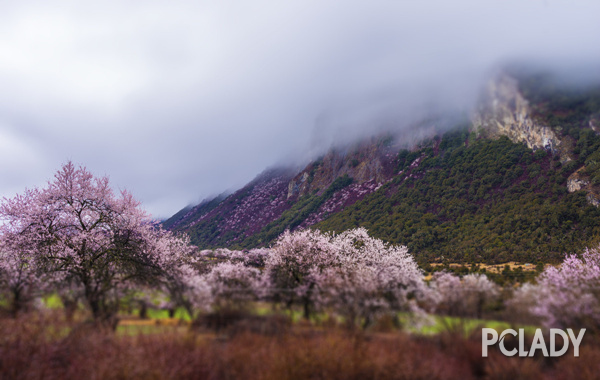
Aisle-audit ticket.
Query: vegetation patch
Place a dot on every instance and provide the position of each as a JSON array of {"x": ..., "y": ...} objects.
[{"x": 489, "y": 201}]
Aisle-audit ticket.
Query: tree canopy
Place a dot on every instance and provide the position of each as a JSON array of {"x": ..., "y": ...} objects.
[{"x": 79, "y": 234}]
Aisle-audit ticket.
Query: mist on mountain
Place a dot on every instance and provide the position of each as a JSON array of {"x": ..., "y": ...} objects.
[{"x": 182, "y": 100}]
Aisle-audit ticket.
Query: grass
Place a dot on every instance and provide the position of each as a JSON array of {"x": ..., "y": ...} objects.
[
  {"x": 437, "y": 323},
  {"x": 52, "y": 301},
  {"x": 467, "y": 326},
  {"x": 159, "y": 322},
  {"x": 180, "y": 313},
  {"x": 149, "y": 329}
]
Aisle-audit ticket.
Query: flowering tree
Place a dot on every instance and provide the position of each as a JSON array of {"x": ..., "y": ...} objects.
[
  {"x": 446, "y": 294},
  {"x": 216, "y": 280},
  {"x": 293, "y": 263},
  {"x": 225, "y": 288},
  {"x": 479, "y": 291},
  {"x": 233, "y": 285},
  {"x": 467, "y": 297},
  {"x": 354, "y": 293},
  {"x": 398, "y": 275},
  {"x": 569, "y": 296},
  {"x": 77, "y": 228},
  {"x": 519, "y": 306},
  {"x": 370, "y": 278},
  {"x": 255, "y": 257},
  {"x": 18, "y": 279},
  {"x": 351, "y": 273},
  {"x": 189, "y": 289}
]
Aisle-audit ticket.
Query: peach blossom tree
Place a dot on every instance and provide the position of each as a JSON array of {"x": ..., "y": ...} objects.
[{"x": 76, "y": 228}]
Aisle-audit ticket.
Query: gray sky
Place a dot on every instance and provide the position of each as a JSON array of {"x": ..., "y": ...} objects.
[{"x": 178, "y": 100}]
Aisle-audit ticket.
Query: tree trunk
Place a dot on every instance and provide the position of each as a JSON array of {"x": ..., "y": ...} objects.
[
  {"x": 70, "y": 308},
  {"x": 18, "y": 303},
  {"x": 104, "y": 316},
  {"x": 143, "y": 310},
  {"x": 367, "y": 322},
  {"x": 306, "y": 306},
  {"x": 306, "y": 302}
]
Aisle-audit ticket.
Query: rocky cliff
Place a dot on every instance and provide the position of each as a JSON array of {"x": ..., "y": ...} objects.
[
  {"x": 504, "y": 111},
  {"x": 368, "y": 161}
]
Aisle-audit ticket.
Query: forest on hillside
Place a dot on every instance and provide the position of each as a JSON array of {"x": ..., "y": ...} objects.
[
  {"x": 478, "y": 200},
  {"x": 456, "y": 197}
]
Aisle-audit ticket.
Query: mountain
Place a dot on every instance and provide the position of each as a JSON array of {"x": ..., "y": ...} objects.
[
  {"x": 285, "y": 198},
  {"x": 520, "y": 181}
]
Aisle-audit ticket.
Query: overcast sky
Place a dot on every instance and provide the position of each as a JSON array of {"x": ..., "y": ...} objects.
[{"x": 179, "y": 100}]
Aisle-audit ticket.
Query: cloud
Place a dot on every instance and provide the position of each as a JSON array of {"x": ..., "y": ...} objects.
[
  {"x": 20, "y": 160},
  {"x": 180, "y": 100}
]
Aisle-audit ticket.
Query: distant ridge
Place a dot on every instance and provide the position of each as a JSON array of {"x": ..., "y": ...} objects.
[{"x": 519, "y": 182}]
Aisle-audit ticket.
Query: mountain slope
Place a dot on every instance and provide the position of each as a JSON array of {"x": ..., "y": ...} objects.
[
  {"x": 283, "y": 198},
  {"x": 492, "y": 201},
  {"x": 519, "y": 183}
]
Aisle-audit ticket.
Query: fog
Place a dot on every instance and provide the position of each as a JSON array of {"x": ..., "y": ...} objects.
[{"x": 179, "y": 100}]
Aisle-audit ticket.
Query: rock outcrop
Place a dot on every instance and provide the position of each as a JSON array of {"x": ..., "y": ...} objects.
[
  {"x": 372, "y": 161},
  {"x": 580, "y": 181},
  {"x": 504, "y": 111}
]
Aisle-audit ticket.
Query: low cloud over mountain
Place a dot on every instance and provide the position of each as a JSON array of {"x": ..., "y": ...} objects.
[{"x": 180, "y": 100}]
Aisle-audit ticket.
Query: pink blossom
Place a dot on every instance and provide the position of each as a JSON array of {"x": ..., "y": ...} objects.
[
  {"x": 352, "y": 274},
  {"x": 468, "y": 296},
  {"x": 568, "y": 296},
  {"x": 78, "y": 229}
]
